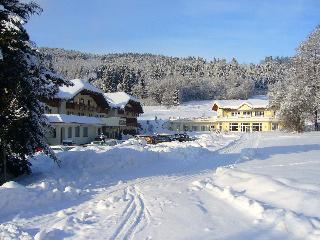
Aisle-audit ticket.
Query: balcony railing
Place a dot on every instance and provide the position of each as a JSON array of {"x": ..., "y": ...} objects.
[
  {"x": 132, "y": 122},
  {"x": 246, "y": 117},
  {"x": 83, "y": 107}
]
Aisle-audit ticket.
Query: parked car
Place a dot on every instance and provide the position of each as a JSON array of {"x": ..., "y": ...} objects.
[
  {"x": 160, "y": 138},
  {"x": 150, "y": 139},
  {"x": 61, "y": 148},
  {"x": 181, "y": 137},
  {"x": 67, "y": 142},
  {"x": 104, "y": 142},
  {"x": 100, "y": 138}
]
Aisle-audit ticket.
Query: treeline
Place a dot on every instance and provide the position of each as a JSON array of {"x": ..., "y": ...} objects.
[
  {"x": 297, "y": 96},
  {"x": 158, "y": 79}
]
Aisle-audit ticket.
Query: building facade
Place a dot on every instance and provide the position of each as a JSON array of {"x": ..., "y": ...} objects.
[
  {"x": 233, "y": 116},
  {"x": 194, "y": 124},
  {"x": 81, "y": 112}
]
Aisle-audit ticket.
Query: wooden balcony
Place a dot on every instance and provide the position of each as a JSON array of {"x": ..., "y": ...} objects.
[
  {"x": 132, "y": 122},
  {"x": 83, "y": 107}
]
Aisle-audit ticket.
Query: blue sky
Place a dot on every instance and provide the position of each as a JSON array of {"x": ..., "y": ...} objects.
[{"x": 248, "y": 30}]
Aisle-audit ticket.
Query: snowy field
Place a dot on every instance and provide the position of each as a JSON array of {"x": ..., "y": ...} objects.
[
  {"x": 250, "y": 186},
  {"x": 192, "y": 109}
]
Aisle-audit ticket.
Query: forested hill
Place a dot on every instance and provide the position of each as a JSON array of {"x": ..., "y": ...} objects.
[{"x": 166, "y": 80}]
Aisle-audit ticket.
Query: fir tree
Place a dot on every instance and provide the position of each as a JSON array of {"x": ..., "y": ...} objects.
[{"x": 24, "y": 83}]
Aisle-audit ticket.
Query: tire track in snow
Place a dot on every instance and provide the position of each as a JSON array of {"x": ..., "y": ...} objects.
[
  {"x": 246, "y": 148},
  {"x": 135, "y": 216}
]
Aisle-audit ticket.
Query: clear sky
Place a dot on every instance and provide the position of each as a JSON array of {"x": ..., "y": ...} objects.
[{"x": 248, "y": 30}]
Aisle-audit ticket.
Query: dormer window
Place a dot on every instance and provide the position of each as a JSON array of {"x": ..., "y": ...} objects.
[
  {"x": 47, "y": 110},
  {"x": 247, "y": 114},
  {"x": 259, "y": 113}
]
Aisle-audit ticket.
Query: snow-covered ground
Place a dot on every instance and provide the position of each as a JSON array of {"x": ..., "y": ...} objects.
[
  {"x": 221, "y": 186},
  {"x": 250, "y": 186},
  {"x": 154, "y": 117},
  {"x": 193, "y": 109}
]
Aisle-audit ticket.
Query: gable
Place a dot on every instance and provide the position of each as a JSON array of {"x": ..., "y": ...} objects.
[
  {"x": 98, "y": 98},
  {"x": 245, "y": 107}
]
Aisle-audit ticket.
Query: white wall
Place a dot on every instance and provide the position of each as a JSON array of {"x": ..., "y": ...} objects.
[{"x": 92, "y": 133}]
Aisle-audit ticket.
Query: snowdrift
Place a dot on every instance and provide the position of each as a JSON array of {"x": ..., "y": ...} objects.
[
  {"x": 293, "y": 209},
  {"x": 83, "y": 167}
]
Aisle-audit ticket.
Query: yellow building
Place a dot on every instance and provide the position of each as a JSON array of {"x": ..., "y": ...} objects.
[
  {"x": 245, "y": 115},
  {"x": 232, "y": 116}
]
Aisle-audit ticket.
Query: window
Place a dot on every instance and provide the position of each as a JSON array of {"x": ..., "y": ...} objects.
[
  {"x": 203, "y": 128},
  {"x": 256, "y": 127},
  {"x": 88, "y": 102},
  {"x": 85, "y": 131},
  {"x": 259, "y": 113},
  {"x": 233, "y": 127},
  {"x": 54, "y": 133},
  {"x": 274, "y": 126},
  {"x": 246, "y": 114},
  {"x": 194, "y": 128},
  {"x": 235, "y": 114},
  {"x": 69, "y": 132},
  {"x": 77, "y": 131},
  {"x": 81, "y": 101},
  {"x": 47, "y": 110}
]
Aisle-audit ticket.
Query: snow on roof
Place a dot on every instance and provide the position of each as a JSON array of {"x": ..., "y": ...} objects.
[
  {"x": 67, "y": 92},
  {"x": 119, "y": 99},
  {"x": 64, "y": 118},
  {"x": 256, "y": 102}
]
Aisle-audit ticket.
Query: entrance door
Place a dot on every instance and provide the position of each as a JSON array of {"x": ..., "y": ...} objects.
[
  {"x": 62, "y": 135},
  {"x": 245, "y": 127}
]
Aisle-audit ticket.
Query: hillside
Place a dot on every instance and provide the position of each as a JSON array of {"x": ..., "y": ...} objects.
[{"x": 165, "y": 80}]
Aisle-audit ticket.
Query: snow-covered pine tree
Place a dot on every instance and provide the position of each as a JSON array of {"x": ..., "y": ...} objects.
[{"x": 24, "y": 83}]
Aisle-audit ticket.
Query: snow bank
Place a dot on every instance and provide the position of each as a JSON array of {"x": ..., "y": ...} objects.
[
  {"x": 274, "y": 192},
  {"x": 289, "y": 209},
  {"x": 84, "y": 166},
  {"x": 11, "y": 231},
  {"x": 16, "y": 197}
]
